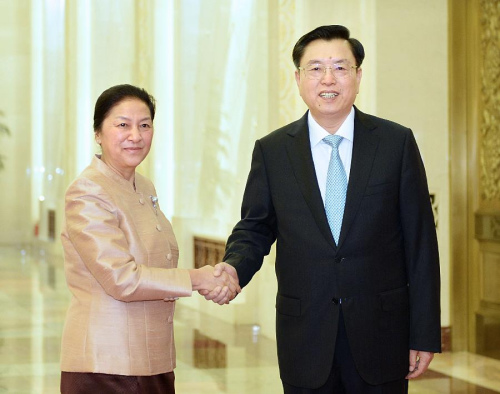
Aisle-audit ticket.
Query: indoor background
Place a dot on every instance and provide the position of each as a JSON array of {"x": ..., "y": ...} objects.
[{"x": 222, "y": 74}]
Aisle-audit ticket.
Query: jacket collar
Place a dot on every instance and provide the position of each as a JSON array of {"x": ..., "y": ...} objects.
[{"x": 363, "y": 154}]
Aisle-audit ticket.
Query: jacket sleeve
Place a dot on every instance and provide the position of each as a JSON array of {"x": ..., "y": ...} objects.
[
  {"x": 421, "y": 251},
  {"x": 254, "y": 234},
  {"x": 92, "y": 234}
]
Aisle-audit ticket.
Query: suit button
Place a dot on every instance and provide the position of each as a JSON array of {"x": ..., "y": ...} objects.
[
  {"x": 158, "y": 227},
  {"x": 169, "y": 256},
  {"x": 335, "y": 301},
  {"x": 141, "y": 201},
  {"x": 338, "y": 260}
]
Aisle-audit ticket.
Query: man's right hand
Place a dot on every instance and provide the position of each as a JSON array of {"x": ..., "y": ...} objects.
[{"x": 218, "y": 295}]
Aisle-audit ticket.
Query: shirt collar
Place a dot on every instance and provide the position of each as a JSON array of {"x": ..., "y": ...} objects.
[{"x": 317, "y": 133}]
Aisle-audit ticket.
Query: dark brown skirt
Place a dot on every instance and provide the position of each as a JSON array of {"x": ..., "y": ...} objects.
[{"x": 89, "y": 383}]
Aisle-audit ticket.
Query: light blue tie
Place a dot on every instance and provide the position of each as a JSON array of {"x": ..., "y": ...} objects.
[{"x": 336, "y": 187}]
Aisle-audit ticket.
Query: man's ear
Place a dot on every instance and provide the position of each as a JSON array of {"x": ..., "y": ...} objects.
[{"x": 359, "y": 74}]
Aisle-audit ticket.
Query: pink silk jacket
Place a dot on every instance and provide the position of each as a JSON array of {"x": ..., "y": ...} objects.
[{"x": 120, "y": 264}]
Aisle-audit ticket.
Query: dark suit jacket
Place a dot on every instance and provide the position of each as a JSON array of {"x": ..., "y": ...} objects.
[{"x": 384, "y": 271}]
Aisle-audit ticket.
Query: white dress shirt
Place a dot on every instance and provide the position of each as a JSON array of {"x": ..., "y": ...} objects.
[{"x": 321, "y": 151}]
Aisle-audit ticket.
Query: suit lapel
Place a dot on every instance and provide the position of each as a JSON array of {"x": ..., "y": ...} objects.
[
  {"x": 299, "y": 153},
  {"x": 363, "y": 154}
]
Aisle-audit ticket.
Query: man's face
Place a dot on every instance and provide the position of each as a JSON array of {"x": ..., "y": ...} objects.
[{"x": 329, "y": 98}]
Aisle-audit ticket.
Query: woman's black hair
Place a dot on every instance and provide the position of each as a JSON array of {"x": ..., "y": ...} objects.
[{"x": 114, "y": 95}]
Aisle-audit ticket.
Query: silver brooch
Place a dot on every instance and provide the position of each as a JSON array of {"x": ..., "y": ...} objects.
[{"x": 154, "y": 200}]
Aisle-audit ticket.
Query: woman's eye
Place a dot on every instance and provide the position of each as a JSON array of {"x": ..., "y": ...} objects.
[{"x": 122, "y": 125}]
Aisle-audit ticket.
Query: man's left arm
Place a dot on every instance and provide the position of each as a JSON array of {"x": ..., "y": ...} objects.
[{"x": 422, "y": 260}]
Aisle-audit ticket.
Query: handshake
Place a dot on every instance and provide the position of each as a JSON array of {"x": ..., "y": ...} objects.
[{"x": 219, "y": 284}]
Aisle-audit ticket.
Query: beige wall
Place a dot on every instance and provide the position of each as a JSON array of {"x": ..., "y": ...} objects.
[
  {"x": 224, "y": 81},
  {"x": 16, "y": 226},
  {"x": 412, "y": 80}
]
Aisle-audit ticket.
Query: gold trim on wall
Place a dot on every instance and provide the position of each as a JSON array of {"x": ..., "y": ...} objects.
[
  {"x": 489, "y": 152},
  {"x": 488, "y": 227},
  {"x": 474, "y": 70},
  {"x": 485, "y": 299}
]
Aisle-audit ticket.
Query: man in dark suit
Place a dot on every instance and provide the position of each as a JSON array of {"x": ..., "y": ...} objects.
[{"x": 357, "y": 309}]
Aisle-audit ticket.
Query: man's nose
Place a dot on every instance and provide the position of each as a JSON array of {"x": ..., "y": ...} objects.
[{"x": 328, "y": 76}]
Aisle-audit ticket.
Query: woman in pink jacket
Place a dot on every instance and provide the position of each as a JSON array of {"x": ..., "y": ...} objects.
[{"x": 121, "y": 262}]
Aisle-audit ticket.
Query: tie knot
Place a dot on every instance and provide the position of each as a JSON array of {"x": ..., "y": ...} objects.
[{"x": 333, "y": 140}]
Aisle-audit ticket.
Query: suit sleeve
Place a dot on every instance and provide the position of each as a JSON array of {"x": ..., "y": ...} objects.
[
  {"x": 254, "y": 234},
  {"x": 93, "y": 232},
  {"x": 421, "y": 250}
]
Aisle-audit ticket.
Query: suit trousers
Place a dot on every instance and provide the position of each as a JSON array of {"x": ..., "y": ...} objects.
[
  {"x": 344, "y": 377},
  {"x": 86, "y": 383}
]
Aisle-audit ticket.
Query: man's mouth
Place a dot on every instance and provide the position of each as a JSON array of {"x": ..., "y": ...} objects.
[{"x": 329, "y": 95}]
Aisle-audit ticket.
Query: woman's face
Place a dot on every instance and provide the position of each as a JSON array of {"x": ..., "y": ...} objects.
[{"x": 125, "y": 136}]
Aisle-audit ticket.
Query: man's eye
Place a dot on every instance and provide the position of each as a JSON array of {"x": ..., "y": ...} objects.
[
  {"x": 314, "y": 68},
  {"x": 339, "y": 67},
  {"x": 145, "y": 125},
  {"x": 122, "y": 125}
]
